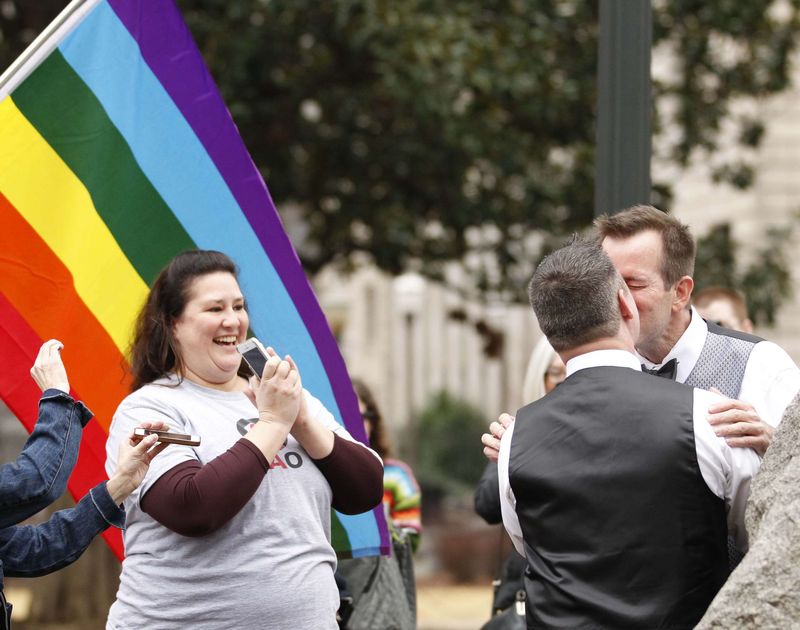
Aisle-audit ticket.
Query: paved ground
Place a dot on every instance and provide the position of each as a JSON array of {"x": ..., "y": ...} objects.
[{"x": 458, "y": 607}]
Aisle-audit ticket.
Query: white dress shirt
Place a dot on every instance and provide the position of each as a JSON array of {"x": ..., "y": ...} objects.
[
  {"x": 771, "y": 379},
  {"x": 727, "y": 471}
]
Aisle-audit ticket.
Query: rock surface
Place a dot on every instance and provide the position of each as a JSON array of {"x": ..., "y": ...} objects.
[{"x": 764, "y": 590}]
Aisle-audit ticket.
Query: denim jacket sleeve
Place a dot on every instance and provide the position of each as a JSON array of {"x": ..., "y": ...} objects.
[
  {"x": 39, "y": 474},
  {"x": 33, "y": 550}
]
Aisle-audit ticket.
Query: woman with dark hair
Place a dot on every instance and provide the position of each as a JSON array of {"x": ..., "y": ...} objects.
[
  {"x": 401, "y": 494},
  {"x": 235, "y": 532},
  {"x": 381, "y": 592}
]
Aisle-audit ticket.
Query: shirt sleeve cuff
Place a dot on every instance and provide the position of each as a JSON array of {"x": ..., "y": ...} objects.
[
  {"x": 58, "y": 395},
  {"x": 112, "y": 513},
  {"x": 242, "y": 443},
  {"x": 333, "y": 456}
]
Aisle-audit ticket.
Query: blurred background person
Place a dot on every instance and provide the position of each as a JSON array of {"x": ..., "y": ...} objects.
[
  {"x": 380, "y": 592},
  {"x": 402, "y": 498},
  {"x": 723, "y": 306},
  {"x": 545, "y": 371}
]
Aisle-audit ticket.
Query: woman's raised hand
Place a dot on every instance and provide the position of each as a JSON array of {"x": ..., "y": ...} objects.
[
  {"x": 279, "y": 391},
  {"x": 48, "y": 370},
  {"x": 133, "y": 460}
]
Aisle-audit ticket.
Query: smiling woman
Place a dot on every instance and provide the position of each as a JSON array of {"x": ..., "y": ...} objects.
[{"x": 209, "y": 517}]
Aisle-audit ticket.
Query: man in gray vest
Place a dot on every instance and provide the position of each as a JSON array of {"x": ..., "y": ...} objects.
[
  {"x": 654, "y": 253},
  {"x": 614, "y": 486}
]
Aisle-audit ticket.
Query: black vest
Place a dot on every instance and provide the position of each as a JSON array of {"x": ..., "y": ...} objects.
[{"x": 620, "y": 529}]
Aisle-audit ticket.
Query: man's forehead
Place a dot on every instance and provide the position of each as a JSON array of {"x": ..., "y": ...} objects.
[
  {"x": 643, "y": 245},
  {"x": 645, "y": 238},
  {"x": 642, "y": 249}
]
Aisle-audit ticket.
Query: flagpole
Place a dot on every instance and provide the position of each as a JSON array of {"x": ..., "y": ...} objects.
[{"x": 73, "y": 13}]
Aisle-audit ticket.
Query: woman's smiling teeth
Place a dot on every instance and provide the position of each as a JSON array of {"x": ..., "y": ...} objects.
[{"x": 229, "y": 340}]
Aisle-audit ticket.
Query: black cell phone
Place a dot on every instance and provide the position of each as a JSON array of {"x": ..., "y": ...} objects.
[
  {"x": 168, "y": 437},
  {"x": 254, "y": 354}
]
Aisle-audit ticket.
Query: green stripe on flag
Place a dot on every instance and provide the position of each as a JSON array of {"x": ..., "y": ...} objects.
[
  {"x": 70, "y": 118},
  {"x": 339, "y": 537}
]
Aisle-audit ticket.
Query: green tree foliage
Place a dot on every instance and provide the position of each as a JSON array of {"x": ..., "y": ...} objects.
[
  {"x": 765, "y": 282},
  {"x": 420, "y": 131},
  {"x": 448, "y": 429}
]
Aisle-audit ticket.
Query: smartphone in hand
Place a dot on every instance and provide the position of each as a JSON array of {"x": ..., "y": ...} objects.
[
  {"x": 168, "y": 437},
  {"x": 254, "y": 354}
]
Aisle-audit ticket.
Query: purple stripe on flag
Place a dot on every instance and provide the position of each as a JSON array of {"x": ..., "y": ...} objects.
[{"x": 164, "y": 38}]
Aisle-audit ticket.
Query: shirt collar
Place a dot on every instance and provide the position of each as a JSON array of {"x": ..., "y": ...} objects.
[
  {"x": 687, "y": 349},
  {"x": 603, "y": 358}
]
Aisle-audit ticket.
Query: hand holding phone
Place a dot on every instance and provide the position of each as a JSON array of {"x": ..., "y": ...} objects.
[
  {"x": 278, "y": 392},
  {"x": 168, "y": 437}
]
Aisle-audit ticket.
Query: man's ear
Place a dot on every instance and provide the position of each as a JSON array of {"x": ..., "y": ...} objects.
[
  {"x": 683, "y": 293},
  {"x": 626, "y": 304}
]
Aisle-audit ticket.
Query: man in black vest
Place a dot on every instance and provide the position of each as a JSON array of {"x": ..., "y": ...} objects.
[{"x": 614, "y": 486}]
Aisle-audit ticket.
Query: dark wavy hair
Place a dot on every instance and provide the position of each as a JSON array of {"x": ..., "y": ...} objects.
[
  {"x": 153, "y": 351},
  {"x": 377, "y": 435}
]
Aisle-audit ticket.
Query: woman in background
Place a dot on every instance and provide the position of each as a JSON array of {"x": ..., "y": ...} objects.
[
  {"x": 545, "y": 371},
  {"x": 401, "y": 494},
  {"x": 380, "y": 592}
]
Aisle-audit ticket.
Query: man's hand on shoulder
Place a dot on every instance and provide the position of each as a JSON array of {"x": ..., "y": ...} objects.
[
  {"x": 740, "y": 425},
  {"x": 491, "y": 440}
]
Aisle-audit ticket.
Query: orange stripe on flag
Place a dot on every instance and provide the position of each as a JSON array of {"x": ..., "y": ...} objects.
[{"x": 40, "y": 287}]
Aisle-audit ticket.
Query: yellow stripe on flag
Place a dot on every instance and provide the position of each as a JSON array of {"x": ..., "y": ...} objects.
[{"x": 57, "y": 205}]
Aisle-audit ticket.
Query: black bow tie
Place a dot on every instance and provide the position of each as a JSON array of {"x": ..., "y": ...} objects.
[{"x": 668, "y": 370}]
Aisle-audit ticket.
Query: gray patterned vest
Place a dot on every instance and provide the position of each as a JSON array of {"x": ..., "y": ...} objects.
[{"x": 723, "y": 360}]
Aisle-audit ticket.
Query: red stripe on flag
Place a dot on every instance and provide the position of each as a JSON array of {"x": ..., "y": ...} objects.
[{"x": 19, "y": 345}]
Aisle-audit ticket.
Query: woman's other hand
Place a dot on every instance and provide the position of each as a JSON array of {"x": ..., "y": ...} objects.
[
  {"x": 313, "y": 436},
  {"x": 133, "y": 460},
  {"x": 279, "y": 391},
  {"x": 48, "y": 370}
]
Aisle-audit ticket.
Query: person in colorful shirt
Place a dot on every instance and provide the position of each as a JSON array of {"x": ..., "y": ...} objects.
[
  {"x": 376, "y": 589},
  {"x": 401, "y": 494}
]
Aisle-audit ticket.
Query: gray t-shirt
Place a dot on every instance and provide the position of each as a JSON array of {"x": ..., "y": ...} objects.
[{"x": 271, "y": 566}]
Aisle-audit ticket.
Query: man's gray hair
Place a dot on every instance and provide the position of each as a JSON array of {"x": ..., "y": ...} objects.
[{"x": 574, "y": 295}]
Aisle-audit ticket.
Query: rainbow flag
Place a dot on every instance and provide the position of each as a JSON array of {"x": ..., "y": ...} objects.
[{"x": 117, "y": 153}]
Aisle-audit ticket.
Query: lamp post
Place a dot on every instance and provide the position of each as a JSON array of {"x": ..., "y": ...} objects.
[
  {"x": 622, "y": 157},
  {"x": 409, "y": 291}
]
